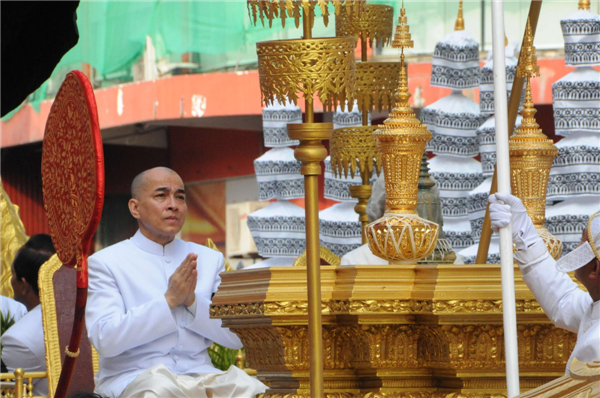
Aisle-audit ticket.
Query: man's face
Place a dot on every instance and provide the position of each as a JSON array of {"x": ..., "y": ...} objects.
[{"x": 160, "y": 206}]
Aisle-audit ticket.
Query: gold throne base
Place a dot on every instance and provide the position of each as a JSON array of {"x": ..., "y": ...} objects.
[{"x": 400, "y": 331}]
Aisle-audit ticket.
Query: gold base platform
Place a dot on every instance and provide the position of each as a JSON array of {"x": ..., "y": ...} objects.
[{"x": 402, "y": 331}]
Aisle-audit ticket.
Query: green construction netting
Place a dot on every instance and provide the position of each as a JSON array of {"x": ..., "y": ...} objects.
[
  {"x": 218, "y": 35},
  {"x": 113, "y": 37}
]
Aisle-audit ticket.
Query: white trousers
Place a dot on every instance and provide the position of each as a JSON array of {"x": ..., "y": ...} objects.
[{"x": 159, "y": 382}]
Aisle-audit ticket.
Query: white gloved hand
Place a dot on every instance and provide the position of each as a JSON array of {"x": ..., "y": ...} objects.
[{"x": 506, "y": 208}]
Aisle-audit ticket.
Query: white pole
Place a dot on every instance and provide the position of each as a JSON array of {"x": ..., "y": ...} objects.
[{"x": 503, "y": 175}]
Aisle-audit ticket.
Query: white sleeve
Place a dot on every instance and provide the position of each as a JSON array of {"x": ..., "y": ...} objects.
[
  {"x": 212, "y": 329},
  {"x": 561, "y": 298},
  {"x": 111, "y": 329},
  {"x": 17, "y": 354}
]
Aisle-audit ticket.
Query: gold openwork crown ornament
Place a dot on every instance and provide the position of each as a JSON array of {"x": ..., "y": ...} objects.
[
  {"x": 376, "y": 82},
  {"x": 532, "y": 153},
  {"x": 401, "y": 236},
  {"x": 322, "y": 66}
]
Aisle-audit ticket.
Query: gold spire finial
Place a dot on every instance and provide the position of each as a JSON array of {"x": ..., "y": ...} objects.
[
  {"x": 531, "y": 152},
  {"x": 402, "y": 126},
  {"x": 402, "y": 38},
  {"x": 528, "y": 66},
  {"x": 460, "y": 22},
  {"x": 401, "y": 236},
  {"x": 584, "y": 5},
  {"x": 529, "y": 125}
]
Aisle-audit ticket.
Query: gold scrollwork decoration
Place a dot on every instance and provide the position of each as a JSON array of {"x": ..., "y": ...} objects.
[
  {"x": 324, "y": 67},
  {"x": 411, "y": 306},
  {"x": 376, "y": 23},
  {"x": 273, "y": 9},
  {"x": 241, "y": 309}
]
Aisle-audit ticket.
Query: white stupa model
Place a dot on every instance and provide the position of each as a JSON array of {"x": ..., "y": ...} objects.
[
  {"x": 453, "y": 121},
  {"x": 279, "y": 229},
  {"x": 576, "y": 103},
  {"x": 574, "y": 182},
  {"x": 338, "y": 225}
]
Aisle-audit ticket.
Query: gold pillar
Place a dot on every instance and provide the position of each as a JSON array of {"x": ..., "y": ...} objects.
[
  {"x": 311, "y": 153},
  {"x": 532, "y": 153},
  {"x": 401, "y": 236}
]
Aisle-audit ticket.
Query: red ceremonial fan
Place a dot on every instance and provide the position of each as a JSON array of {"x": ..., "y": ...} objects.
[{"x": 73, "y": 185}]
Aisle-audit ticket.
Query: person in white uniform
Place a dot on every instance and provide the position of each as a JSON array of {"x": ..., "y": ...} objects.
[
  {"x": 23, "y": 343},
  {"x": 567, "y": 306},
  {"x": 148, "y": 305},
  {"x": 12, "y": 309}
]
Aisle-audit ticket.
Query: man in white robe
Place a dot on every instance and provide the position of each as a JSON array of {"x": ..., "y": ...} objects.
[
  {"x": 148, "y": 305},
  {"x": 567, "y": 306},
  {"x": 23, "y": 343}
]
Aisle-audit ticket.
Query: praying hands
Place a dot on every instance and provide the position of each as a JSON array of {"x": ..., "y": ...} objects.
[{"x": 183, "y": 283}]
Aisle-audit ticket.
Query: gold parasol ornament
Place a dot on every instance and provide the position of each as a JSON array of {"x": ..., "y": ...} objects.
[
  {"x": 532, "y": 153},
  {"x": 401, "y": 236},
  {"x": 353, "y": 148},
  {"x": 376, "y": 82},
  {"x": 283, "y": 9},
  {"x": 323, "y": 67}
]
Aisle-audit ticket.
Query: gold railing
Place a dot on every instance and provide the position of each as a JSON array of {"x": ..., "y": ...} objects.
[{"x": 19, "y": 384}]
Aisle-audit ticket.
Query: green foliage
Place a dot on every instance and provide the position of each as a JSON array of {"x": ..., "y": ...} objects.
[
  {"x": 6, "y": 321},
  {"x": 222, "y": 357}
]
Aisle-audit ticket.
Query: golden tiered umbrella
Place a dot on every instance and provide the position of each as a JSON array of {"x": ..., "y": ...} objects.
[
  {"x": 324, "y": 67},
  {"x": 353, "y": 148},
  {"x": 532, "y": 153},
  {"x": 401, "y": 236}
]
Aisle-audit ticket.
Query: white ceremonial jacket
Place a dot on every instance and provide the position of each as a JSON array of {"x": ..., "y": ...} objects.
[
  {"x": 128, "y": 318},
  {"x": 362, "y": 256},
  {"x": 567, "y": 306},
  {"x": 23, "y": 347},
  {"x": 12, "y": 307}
]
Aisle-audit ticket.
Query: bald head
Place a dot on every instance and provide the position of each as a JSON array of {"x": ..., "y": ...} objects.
[
  {"x": 140, "y": 182},
  {"x": 159, "y": 204}
]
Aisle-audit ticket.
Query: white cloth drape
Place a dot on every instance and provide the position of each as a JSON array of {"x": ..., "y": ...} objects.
[{"x": 159, "y": 382}]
